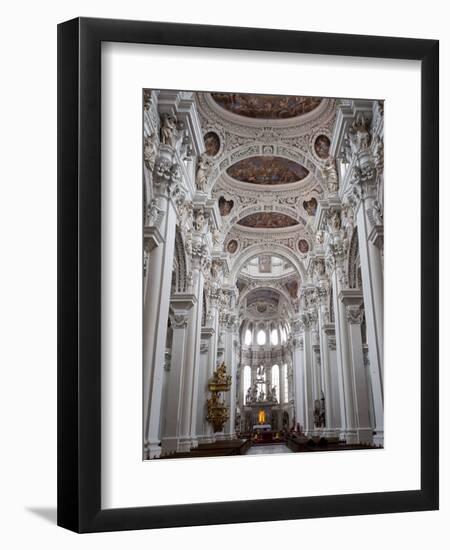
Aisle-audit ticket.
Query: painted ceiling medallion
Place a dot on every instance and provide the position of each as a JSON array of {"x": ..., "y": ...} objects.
[
  {"x": 310, "y": 206},
  {"x": 303, "y": 246},
  {"x": 225, "y": 206},
  {"x": 232, "y": 246},
  {"x": 267, "y": 220},
  {"x": 322, "y": 146},
  {"x": 212, "y": 143},
  {"x": 267, "y": 170},
  {"x": 266, "y": 106}
]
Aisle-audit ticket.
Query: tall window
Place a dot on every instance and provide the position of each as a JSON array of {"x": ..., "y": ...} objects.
[
  {"x": 248, "y": 337},
  {"x": 261, "y": 338},
  {"x": 283, "y": 335},
  {"x": 276, "y": 381},
  {"x": 286, "y": 383},
  {"x": 274, "y": 337},
  {"x": 247, "y": 379}
]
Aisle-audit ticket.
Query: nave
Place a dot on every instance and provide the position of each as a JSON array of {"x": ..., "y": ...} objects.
[{"x": 263, "y": 274}]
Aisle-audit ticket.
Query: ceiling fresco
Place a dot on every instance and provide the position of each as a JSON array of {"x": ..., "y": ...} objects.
[
  {"x": 267, "y": 220},
  {"x": 267, "y": 170},
  {"x": 264, "y": 106}
]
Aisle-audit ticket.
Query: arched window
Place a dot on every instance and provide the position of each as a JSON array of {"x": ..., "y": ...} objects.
[
  {"x": 274, "y": 337},
  {"x": 247, "y": 379},
  {"x": 286, "y": 383},
  {"x": 248, "y": 337},
  {"x": 276, "y": 381},
  {"x": 261, "y": 337},
  {"x": 283, "y": 334}
]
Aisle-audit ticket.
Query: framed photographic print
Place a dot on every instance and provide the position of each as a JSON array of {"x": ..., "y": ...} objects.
[{"x": 248, "y": 275}]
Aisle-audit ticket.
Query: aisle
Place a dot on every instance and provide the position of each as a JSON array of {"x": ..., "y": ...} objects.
[{"x": 274, "y": 449}]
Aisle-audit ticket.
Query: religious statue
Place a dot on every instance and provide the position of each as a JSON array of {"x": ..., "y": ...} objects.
[
  {"x": 216, "y": 238},
  {"x": 329, "y": 173},
  {"x": 203, "y": 169},
  {"x": 359, "y": 133},
  {"x": 150, "y": 151},
  {"x": 320, "y": 237},
  {"x": 334, "y": 221},
  {"x": 319, "y": 267},
  {"x": 199, "y": 220},
  {"x": 272, "y": 394},
  {"x": 248, "y": 396},
  {"x": 168, "y": 129},
  {"x": 220, "y": 375}
]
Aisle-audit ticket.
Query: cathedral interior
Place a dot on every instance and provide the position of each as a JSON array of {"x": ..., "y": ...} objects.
[{"x": 263, "y": 274}]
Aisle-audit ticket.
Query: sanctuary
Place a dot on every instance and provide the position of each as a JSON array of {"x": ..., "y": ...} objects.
[{"x": 263, "y": 274}]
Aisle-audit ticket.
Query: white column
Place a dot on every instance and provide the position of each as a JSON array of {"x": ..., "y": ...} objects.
[
  {"x": 372, "y": 282},
  {"x": 352, "y": 299},
  {"x": 335, "y": 261},
  {"x": 189, "y": 429},
  {"x": 297, "y": 364},
  {"x": 334, "y": 425},
  {"x": 230, "y": 362},
  {"x": 204, "y": 429},
  {"x": 156, "y": 309},
  {"x": 308, "y": 378},
  {"x": 181, "y": 304},
  {"x": 330, "y": 420}
]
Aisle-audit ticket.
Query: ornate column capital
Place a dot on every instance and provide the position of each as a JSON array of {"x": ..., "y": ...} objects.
[{"x": 354, "y": 315}]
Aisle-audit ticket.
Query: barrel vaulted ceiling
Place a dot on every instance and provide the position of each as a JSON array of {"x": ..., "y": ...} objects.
[{"x": 267, "y": 153}]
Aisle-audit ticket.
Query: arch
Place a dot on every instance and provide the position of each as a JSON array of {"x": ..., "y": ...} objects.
[
  {"x": 275, "y": 249},
  {"x": 267, "y": 286}
]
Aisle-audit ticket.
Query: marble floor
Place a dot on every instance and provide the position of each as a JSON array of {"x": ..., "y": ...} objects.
[{"x": 275, "y": 449}]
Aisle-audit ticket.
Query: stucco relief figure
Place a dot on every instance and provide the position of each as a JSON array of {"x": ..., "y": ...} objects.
[
  {"x": 150, "y": 151},
  {"x": 330, "y": 175},
  {"x": 216, "y": 238},
  {"x": 319, "y": 267},
  {"x": 359, "y": 133},
  {"x": 334, "y": 221},
  {"x": 203, "y": 170},
  {"x": 320, "y": 237},
  {"x": 199, "y": 220},
  {"x": 168, "y": 129}
]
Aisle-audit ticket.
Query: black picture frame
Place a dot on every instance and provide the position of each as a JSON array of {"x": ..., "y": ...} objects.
[{"x": 79, "y": 274}]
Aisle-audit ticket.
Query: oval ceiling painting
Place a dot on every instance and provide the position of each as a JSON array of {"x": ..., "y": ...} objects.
[
  {"x": 322, "y": 146},
  {"x": 212, "y": 143},
  {"x": 270, "y": 107},
  {"x": 267, "y": 170},
  {"x": 267, "y": 220}
]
